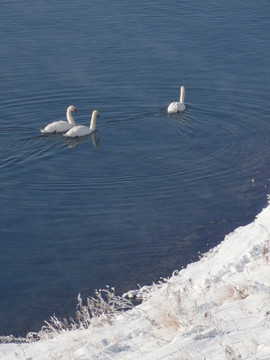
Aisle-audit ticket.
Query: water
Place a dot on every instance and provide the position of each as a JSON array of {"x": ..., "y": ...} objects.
[{"x": 148, "y": 191}]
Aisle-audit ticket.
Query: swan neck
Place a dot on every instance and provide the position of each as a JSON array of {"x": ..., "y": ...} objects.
[
  {"x": 70, "y": 117},
  {"x": 182, "y": 94},
  {"x": 93, "y": 122}
]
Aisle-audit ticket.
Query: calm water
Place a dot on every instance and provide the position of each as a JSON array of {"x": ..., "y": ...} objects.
[{"x": 148, "y": 191}]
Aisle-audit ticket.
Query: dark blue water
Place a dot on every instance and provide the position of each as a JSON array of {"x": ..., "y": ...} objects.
[{"x": 148, "y": 191}]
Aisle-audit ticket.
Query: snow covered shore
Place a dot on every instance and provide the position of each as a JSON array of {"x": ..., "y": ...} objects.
[{"x": 216, "y": 308}]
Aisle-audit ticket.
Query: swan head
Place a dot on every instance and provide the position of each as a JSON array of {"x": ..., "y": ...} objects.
[
  {"x": 72, "y": 108},
  {"x": 95, "y": 113}
]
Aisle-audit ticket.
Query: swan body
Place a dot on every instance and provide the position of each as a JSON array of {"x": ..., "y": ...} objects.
[
  {"x": 176, "y": 107},
  {"x": 61, "y": 125},
  {"x": 81, "y": 130}
]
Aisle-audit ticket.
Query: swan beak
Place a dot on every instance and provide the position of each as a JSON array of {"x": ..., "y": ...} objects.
[{"x": 75, "y": 110}]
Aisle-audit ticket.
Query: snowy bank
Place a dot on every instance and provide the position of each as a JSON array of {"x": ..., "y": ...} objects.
[{"x": 216, "y": 308}]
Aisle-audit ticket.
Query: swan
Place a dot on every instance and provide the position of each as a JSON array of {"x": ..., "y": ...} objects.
[
  {"x": 61, "y": 125},
  {"x": 176, "y": 107},
  {"x": 81, "y": 130}
]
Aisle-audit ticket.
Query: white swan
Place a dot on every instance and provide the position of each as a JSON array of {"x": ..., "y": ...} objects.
[
  {"x": 176, "y": 106},
  {"x": 61, "y": 125},
  {"x": 81, "y": 130}
]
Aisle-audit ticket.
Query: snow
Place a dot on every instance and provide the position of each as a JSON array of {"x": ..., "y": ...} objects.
[{"x": 215, "y": 308}]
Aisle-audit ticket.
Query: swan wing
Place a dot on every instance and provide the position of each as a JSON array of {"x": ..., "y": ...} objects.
[
  {"x": 56, "y": 127},
  {"x": 78, "y": 130},
  {"x": 175, "y": 107}
]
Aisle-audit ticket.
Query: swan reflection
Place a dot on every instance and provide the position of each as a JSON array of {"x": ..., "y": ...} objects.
[{"x": 73, "y": 142}]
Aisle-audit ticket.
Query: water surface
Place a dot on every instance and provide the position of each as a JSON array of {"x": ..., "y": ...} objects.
[{"x": 147, "y": 192}]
